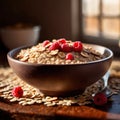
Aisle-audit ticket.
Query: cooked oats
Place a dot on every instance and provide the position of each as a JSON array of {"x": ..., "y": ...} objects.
[{"x": 43, "y": 55}]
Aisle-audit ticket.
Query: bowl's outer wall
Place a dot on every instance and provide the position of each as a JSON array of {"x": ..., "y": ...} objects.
[
  {"x": 13, "y": 38},
  {"x": 59, "y": 77}
]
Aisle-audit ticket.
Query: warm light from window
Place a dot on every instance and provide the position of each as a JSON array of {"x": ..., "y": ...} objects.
[{"x": 101, "y": 18}]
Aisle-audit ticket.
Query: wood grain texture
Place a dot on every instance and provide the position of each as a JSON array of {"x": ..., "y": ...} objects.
[{"x": 109, "y": 111}]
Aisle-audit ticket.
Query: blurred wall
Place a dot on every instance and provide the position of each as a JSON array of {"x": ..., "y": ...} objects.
[{"x": 54, "y": 16}]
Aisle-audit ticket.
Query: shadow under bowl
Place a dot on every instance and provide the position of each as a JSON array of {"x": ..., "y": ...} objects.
[{"x": 61, "y": 80}]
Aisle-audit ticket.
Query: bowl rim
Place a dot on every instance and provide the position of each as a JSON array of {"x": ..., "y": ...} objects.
[
  {"x": 9, "y": 56},
  {"x": 35, "y": 28}
]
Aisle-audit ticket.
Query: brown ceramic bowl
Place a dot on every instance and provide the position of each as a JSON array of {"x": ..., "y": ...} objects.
[{"x": 61, "y": 80}]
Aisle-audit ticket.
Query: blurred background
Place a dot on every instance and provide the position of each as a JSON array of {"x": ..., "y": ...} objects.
[{"x": 90, "y": 21}]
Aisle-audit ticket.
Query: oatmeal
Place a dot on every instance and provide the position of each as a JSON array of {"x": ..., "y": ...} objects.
[{"x": 59, "y": 51}]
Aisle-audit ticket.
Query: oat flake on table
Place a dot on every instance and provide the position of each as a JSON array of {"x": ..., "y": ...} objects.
[{"x": 8, "y": 80}]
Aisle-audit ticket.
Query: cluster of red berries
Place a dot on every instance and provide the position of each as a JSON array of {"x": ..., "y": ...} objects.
[{"x": 64, "y": 46}]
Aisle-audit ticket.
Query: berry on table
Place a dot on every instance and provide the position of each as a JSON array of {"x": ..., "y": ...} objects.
[
  {"x": 69, "y": 56},
  {"x": 77, "y": 46},
  {"x": 17, "y": 92},
  {"x": 100, "y": 99}
]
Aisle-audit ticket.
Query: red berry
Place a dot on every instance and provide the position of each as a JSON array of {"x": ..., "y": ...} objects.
[
  {"x": 69, "y": 56},
  {"x": 66, "y": 47},
  {"x": 46, "y": 42},
  {"x": 17, "y": 92},
  {"x": 100, "y": 99},
  {"x": 54, "y": 46},
  {"x": 77, "y": 46},
  {"x": 62, "y": 40}
]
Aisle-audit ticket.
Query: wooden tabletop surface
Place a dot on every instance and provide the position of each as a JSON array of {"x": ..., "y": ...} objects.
[{"x": 110, "y": 111}]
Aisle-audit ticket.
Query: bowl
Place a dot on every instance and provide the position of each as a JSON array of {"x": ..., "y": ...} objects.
[
  {"x": 61, "y": 79},
  {"x": 20, "y": 34}
]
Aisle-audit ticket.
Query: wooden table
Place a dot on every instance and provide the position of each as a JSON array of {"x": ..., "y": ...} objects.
[
  {"x": 41, "y": 112},
  {"x": 106, "y": 112}
]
